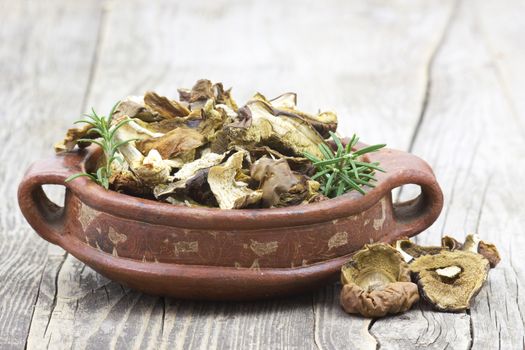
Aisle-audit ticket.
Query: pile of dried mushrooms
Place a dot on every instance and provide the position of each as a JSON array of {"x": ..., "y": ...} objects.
[
  {"x": 381, "y": 279},
  {"x": 204, "y": 150}
]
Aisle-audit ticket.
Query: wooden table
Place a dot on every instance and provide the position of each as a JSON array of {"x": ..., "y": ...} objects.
[{"x": 443, "y": 79}]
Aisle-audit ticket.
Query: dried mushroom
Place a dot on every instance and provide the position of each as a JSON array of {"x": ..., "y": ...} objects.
[
  {"x": 287, "y": 134},
  {"x": 280, "y": 186},
  {"x": 449, "y": 280},
  {"x": 202, "y": 149},
  {"x": 409, "y": 250},
  {"x": 487, "y": 250},
  {"x": 231, "y": 193},
  {"x": 166, "y": 108},
  {"x": 186, "y": 174},
  {"x": 134, "y": 107},
  {"x": 177, "y": 142},
  {"x": 376, "y": 282},
  {"x": 72, "y": 136},
  {"x": 451, "y": 275},
  {"x": 286, "y": 105}
]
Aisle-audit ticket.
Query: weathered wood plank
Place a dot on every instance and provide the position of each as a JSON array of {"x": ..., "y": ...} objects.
[
  {"x": 45, "y": 59},
  {"x": 502, "y": 30},
  {"x": 471, "y": 135}
]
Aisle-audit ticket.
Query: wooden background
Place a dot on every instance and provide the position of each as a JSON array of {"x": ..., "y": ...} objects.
[{"x": 444, "y": 79}]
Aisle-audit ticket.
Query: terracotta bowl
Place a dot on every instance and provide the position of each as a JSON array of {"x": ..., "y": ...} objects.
[{"x": 196, "y": 253}]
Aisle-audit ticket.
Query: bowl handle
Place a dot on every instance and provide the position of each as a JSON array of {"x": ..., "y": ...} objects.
[
  {"x": 402, "y": 168},
  {"x": 46, "y": 217}
]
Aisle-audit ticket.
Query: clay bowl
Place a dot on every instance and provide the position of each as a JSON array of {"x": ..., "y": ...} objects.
[{"x": 216, "y": 254}]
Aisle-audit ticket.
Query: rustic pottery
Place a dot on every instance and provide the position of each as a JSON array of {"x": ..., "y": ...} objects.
[{"x": 208, "y": 253}]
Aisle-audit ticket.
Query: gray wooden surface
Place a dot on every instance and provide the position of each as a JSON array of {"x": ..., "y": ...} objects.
[{"x": 444, "y": 79}]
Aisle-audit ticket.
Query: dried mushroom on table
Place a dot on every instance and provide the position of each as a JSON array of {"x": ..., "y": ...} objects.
[
  {"x": 376, "y": 282},
  {"x": 381, "y": 279},
  {"x": 204, "y": 150}
]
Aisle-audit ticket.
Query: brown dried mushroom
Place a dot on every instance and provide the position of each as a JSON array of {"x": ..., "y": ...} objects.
[
  {"x": 231, "y": 193},
  {"x": 488, "y": 250},
  {"x": 450, "y": 280},
  {"x": 450, "y": 276},
  {"x": 290, "y": 135},
  {"x": 376, "y": 282},
  {"x": 177, "y": 142},
  {"x": 72, "y": 136},
  {"x": 279, "y": 184}
]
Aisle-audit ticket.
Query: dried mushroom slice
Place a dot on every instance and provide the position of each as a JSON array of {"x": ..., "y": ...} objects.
[
  {"x": 280, "y": 186},
  {"x": 72, "y": 136},
  {"x": 230, "y": 193},
  {"x": 410, "y": 250},
  {"x": 286, "y": 105},
  {"x": 224, "y": 96},
  {"x": 135, "y": 129},
  {"x": 124, "y": 180},
  {"x": 186, "y": 173},
  {"x": 299, "y": 164},
  {"x": 201, "y": 91},
  {"x": 212, "y": 120},
  {"x": 285, "y": 101},
  {"x": 451, "y": 279},
  {"x": 134, "y": 107},
  {"x": 488, "y": 250},
  {"x": 166, "y": 108},
  {"x": 175, "y": 143},
  {"x": 150, "y": 170},
  {"x": 450, "y": 243},
  {"x": 287, "y": 134},
  {"x": 376, "y": 282}
]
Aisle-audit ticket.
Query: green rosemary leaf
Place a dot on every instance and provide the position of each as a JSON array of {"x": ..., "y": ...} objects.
[
  {"x": 83, "y": 121},
  {"x": 354, "y": 167},
  {"x": 352, "y": 183},
  {"x": 339, "y": 171},
  {"x": 368, "y": 149},
  {"x": 112, "y": 112},
  {"x": 311, "y": 157},
  {"x": 333, "y": 160},
  {"x": 340, "y": 189},
  {"x": 355, "y": 140},
  {"x": 77, "y": 175},
  {"x": 106, "y": 141},
  {"x": 328, "y": 185},
  {"x": 96, "y": 142},
  {"x": 326, "y": 151},
  {"x": 117, "y": 126},
  {"x": 321, "y": 173},
  {"x": 371, "y": 165},
  {"x": 121, "y": 143},
  {"x": 337, "y": 141},
  {"x": 364, "y": 182}
]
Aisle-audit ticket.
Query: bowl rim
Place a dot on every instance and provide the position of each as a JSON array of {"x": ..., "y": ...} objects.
[{"x": 402, "y": 168}]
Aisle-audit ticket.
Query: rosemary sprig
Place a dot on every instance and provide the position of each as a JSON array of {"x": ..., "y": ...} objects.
[
  {"x": 344, "y": 170},
  {"x": 101, "y": 125}
]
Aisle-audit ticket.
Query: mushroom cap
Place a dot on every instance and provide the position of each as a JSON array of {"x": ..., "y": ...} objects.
[
  {"x": 377, "y": 282},
  {"x": 411, "y": 250},
  {"x": 394, "y": 298},
  {"x": 490, "y": 252},
  {"x": 443, "y": 286}
]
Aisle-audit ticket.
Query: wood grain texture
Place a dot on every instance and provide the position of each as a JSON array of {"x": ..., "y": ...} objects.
[
  {"x": 45, "y": 59},
  {"x": 430, "y": 76}
]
